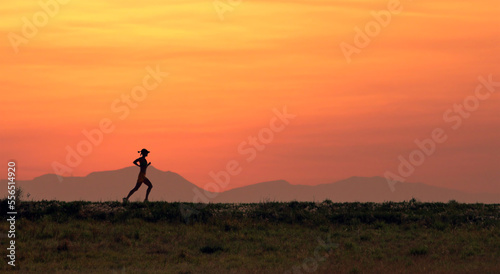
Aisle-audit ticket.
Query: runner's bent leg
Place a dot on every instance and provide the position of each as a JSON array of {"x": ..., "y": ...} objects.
[{"x": 150, "y": 186}]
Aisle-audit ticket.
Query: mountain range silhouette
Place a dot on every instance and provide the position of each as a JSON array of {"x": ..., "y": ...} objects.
[{"x": 171, "y": 187}]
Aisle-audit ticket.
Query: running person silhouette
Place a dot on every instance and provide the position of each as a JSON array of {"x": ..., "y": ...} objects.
[{"x": 143, "y": 164}]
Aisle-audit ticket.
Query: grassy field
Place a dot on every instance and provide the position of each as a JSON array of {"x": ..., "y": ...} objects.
[{"x": 295, "y": 237}]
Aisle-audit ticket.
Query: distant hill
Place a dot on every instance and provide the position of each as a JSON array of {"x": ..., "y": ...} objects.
[
  {"x": 169, "y": 186},
  {"x": 360, "y": 189},
  {"x": 109, "y": 186}
]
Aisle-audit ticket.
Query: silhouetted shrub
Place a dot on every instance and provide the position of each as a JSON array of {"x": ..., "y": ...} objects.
[{"x": 209, "y": 249}]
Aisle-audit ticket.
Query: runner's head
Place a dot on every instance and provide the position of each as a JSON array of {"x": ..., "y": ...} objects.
[{"x": 144, "y": 152}]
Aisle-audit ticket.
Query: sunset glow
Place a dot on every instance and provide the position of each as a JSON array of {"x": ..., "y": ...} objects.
[{"x": 228, "y": 77}]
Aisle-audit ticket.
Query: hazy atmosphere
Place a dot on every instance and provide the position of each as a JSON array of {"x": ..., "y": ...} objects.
[
  {"x": 358, "y": 103},
  {"x": 250, "y": 136}
]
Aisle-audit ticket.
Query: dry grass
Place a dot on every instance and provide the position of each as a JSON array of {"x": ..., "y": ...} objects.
[{"x": 71, "y": 238}]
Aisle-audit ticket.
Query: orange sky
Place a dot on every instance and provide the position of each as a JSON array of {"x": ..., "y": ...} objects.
[{"x": 227, "y": 76}]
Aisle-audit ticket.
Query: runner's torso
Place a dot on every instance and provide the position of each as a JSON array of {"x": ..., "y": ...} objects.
[{"x": 143, "y": 164}]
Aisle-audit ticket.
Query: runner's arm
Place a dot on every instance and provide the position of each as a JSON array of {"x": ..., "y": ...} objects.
[{"x": 135, "y": 162}]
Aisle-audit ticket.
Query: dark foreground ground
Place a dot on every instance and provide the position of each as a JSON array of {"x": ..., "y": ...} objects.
[{"x": 296, "y": 237}]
